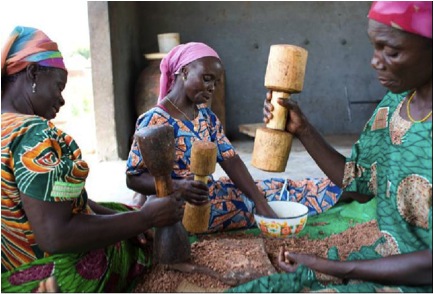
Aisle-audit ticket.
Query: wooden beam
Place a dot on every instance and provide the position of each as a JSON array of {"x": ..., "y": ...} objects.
[{"x": 250, "y": 129}]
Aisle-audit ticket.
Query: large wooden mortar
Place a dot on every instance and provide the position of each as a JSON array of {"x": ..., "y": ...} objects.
[
  {"x": 202, "y": 164},
  {"x": 284, "y": 76}
]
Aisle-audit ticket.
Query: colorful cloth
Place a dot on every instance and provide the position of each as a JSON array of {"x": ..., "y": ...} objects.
[
  {"x": 176, "y": 59},
  {"x": 410, "y": 16},
  {"x": 45, "y": 163},
  {"x": 392, "y": 160},
  {"x": 230, "y": 208},
  {"x": 29, "y": 45}
]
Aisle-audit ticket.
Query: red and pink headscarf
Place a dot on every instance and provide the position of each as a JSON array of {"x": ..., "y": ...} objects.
[
  {"x": 410, "y": 16},
  {"x": 176, "y": 59},
  {"x": 27, "y": 45}
]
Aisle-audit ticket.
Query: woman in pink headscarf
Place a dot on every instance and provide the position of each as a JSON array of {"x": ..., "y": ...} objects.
[
  {"x": 190, "y": 74},
  {"x": 391, "y": 161}
]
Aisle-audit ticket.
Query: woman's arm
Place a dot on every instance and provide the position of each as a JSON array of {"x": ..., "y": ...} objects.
[
  {"x": 142, "y": 183},
  {"x": 402, "y": 269},
  {"x": 99, "y": 209},
  {"x": 331, "y": 162},
  {"x": 240, "y": 176},
  {"x": 195, "y": 192},
  {"x": 58, "y": 230}
]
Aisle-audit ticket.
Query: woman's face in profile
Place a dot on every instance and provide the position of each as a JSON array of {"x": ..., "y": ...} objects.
[
  {"x": 202, "y": 77},
  {"x": 47, "y": 99},
  {"x": 403, "y": 61}
]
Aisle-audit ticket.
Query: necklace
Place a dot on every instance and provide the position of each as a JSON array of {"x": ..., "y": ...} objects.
[
  {"x": 182, "y": 112},
  {"x": 408, "y": 111}
]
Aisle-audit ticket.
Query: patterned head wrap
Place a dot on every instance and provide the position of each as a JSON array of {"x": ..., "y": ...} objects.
[
  {"x": 29, "y": 45},
  {"x": 410, "y": 16},
  {"x": 178, "y": 57}
]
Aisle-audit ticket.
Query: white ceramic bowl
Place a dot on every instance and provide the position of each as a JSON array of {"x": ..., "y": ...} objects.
[{"x": 292, "y": 217}]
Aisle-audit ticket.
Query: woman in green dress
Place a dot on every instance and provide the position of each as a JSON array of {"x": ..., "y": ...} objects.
[
  {"x": 51, "y": 230},
  {"x": 391, "y": 161}
]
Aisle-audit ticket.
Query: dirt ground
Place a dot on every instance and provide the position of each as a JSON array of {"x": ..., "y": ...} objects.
[{"x": 239, "y": 257}]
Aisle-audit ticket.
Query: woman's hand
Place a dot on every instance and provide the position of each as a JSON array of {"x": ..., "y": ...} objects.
[
  {"x": 289, "y": 262},
  {"x": 296, "y": 123},
  {"x": 146, "y": 237},
  {"x": 264, "y": 209},
  {"x": 163, "y": 211},
  {"x": 194, "y": 192}
]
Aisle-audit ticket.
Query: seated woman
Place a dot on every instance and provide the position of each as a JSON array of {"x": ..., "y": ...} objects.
[
  {"x": 53, "y": 237},
  {"x": 392, "y": 161},
  {"x": 190, "y": 74}
]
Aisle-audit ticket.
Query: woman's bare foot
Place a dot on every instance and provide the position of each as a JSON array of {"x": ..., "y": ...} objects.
[{"x": 48, "y": 286}]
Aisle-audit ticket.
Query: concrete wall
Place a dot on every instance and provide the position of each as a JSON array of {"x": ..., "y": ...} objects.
[
  {"x": 102, "y": 81},
  {"x": 127, "y": 64},
  {"x": 340, "y": 87},
  {"x": 116, "y": 63}
]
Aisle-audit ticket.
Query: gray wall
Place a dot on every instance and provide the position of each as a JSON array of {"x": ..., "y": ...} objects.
[
  {"x": 334, "y": 33},
  {"x": 338, "y": 75},
  {"x": 127, "y": 63}
]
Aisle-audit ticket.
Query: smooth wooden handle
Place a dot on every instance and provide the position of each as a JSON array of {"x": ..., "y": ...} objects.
[
  {"x": 280, "y": 113},
  {"x": 163, "y": 186}
]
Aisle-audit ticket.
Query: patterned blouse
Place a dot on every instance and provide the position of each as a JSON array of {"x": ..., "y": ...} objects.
[
  {"x": 41, "y": 162},
  {"x": 205, "y": 127}
]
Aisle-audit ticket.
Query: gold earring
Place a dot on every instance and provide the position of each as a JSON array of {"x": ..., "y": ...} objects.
[
  {"x": 34, "y": 87},
  {"x": 184, "y": 78}
]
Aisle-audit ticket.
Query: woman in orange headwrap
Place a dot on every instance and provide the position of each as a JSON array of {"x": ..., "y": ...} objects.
[
  {"x": 49, "y": 226},
  {"x": 391, "y": 161}
]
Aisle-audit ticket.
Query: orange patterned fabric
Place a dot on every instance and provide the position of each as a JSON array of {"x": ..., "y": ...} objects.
[{"x": 42, "y": 162}]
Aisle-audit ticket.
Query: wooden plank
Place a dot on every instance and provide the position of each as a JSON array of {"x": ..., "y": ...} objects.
[
  {"x": 219, "y": 102},
  {"x": 250, "y": 129}
]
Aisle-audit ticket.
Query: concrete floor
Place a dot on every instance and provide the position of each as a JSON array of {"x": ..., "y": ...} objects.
[{"x": 106, "y": 181}]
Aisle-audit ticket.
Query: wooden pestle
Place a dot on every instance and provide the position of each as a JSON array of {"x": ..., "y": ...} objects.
[
  {"x": 284, "y": 76},
  {"x": 157, "y": 147},
  {"x": 202, "y": 164}
]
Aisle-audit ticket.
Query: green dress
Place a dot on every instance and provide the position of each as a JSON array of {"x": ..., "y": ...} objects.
[
  {"x": 392, "y": 160},
  {"x": 46, "y": 164}
]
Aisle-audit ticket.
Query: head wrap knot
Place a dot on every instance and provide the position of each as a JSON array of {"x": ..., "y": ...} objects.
[
  {"x": 410, "y": 16},
  {"x": 176, "y": 59},
  {"x": 27, "y": 45}
]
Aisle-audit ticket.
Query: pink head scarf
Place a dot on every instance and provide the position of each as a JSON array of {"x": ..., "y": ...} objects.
[
  {"x": 410, "y": 16},
  {"x": 177, "y": 58}
]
